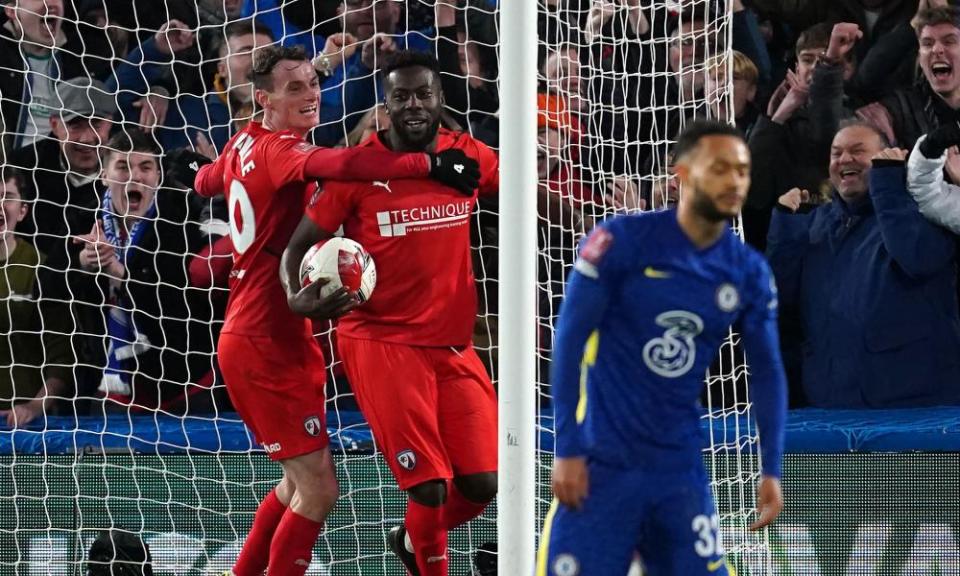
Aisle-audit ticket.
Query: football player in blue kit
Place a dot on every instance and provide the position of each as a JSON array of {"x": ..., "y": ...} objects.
[{"x": 648, "y": 304}]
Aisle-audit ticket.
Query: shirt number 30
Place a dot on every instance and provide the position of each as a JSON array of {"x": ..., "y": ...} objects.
[{"x": 243, "y": 232}]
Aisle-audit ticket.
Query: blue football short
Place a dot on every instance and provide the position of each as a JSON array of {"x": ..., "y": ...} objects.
[{"x": 669, "y": 519}]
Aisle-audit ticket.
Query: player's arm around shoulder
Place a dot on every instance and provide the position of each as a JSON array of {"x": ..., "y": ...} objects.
[{"x": 489, "y": 165}]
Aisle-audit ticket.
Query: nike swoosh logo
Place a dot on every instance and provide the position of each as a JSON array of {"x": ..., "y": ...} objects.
[
  {"x": 651, "y": 272},
  {"x": 714, "y": 566}
]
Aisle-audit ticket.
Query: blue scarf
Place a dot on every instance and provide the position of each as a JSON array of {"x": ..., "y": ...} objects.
[{"x": 125, "y": 342}]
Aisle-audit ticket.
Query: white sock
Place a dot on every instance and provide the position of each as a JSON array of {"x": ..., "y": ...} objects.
[{"x": 407, "y": 543}]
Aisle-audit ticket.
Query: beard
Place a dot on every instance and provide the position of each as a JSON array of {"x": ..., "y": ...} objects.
[
  {"x": 704, "y": 207},
  {"x": 419, "y": 142}
]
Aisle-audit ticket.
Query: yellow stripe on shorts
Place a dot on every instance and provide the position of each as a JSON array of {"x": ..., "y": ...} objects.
[{"x": 544, "y": 553}]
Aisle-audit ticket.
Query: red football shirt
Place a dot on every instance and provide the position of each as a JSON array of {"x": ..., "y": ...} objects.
[
  {"x": 418, "y": 232},
  {"x": 263, "y": 179}
]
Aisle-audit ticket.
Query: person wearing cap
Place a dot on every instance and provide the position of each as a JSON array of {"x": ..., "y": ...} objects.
[
  {"x": 33, "y": 344},
  {"x": 66, "y": 164}
]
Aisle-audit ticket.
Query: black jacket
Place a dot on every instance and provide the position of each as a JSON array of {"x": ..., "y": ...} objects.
[
  {"x": 62, "y": 209},
  {"x": 174, "y": 317},
  {"x": 12, "y": 72},
  {"x": 916, "y": 110},
  {"x": 796, "y": 154}
]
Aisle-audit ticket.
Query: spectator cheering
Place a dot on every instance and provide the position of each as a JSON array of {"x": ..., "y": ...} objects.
[
  {"x": 874, "y": 283},
  {"x": 132, "y": 281},
  {"x": 66, "y": 166}
]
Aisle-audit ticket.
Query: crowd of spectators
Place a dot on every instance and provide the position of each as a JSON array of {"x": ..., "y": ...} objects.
[{"x": 115, "y": 274}]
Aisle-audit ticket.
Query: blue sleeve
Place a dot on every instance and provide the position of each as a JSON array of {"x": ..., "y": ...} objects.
[
  {"x": 768, "y": 382},
  {"x": 361, "y": 88},
  {"x": 787, "y": 243},
  {"x": 588, "y": 292},
  {"x": 748, "y": 40},
  {"x": 142, "y": 68},
  {"x": 919, "y": 248}
]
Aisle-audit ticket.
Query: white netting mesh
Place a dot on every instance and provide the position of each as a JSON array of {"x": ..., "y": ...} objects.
[
  {"x": 620, "y": 78},
  {"x": 165, "y": 457}
]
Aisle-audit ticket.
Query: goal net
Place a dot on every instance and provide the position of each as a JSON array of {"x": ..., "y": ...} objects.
[
  {"x": 136, "y": 432},
  {"x": 619, "y": 80}
]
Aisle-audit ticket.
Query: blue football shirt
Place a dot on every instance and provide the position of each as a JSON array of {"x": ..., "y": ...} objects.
[{"x": 643, "y": 318}]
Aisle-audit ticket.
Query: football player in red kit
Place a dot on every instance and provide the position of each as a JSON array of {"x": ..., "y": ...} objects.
[
  {"x": 407, "y": 351},
  {"x": 272, "y": 365}
]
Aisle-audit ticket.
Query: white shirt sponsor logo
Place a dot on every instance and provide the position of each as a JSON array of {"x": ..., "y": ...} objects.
[
  {"x": 422, "y": 218},
  {"x": 672, "y": 355},
  {"x": 382, "y": 184}
]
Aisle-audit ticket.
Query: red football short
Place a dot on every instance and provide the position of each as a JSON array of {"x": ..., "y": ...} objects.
[
  {"x": 433, "y": 411},
  {"x": 278, "y": 389}
]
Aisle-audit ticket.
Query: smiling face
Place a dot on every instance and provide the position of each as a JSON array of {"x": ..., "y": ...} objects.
[
  {"x": 414, "y": 101},
  {"x": 850, "y": 156},
  {"x": 40, "y": 20},
  {"x": 293, "y": 100},
  {"x": 133, "y": 178},
  {"x": 79, "y": 138},
  {"x": 940, "y": 57}
]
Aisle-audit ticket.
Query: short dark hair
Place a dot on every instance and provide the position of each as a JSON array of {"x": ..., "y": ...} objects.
[
  {"x": 816, "y": 36},
  {"x": 695, "y": 13},
  {"x": 19, "y": 179},
  {"x": 265, "y": 60},
  {"x": 410, "y": 59},
  {"x": 858, "y": 123},
  {"x": 131, "y": 140},
  {"x": 242, "y": 28},
  {"x": 939, "y": 15},
  {"x": 690, "y": 137}
]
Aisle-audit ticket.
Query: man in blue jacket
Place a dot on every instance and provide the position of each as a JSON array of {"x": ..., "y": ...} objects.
[
  {"x": 182, "y": 116},
  {"x": 873, "y": 281}
]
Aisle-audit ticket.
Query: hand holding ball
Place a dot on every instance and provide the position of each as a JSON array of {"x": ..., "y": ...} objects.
[{"x": 342, "y": 262}]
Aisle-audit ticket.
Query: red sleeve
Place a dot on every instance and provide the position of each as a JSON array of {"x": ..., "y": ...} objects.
[
  {"x": 331, "y": 205},
  {"x": 489, "y": 170},
  {"x": 209, "y": 180},
  {"x": 286, "y": 156},
  {"x": 366, "y": 164},
  {"x": 211, "y": 266},
  {"x": 293, "y": 160}
]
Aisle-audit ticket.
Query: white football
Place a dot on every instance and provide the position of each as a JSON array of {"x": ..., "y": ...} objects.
[{"x": 344, "y": 263}]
